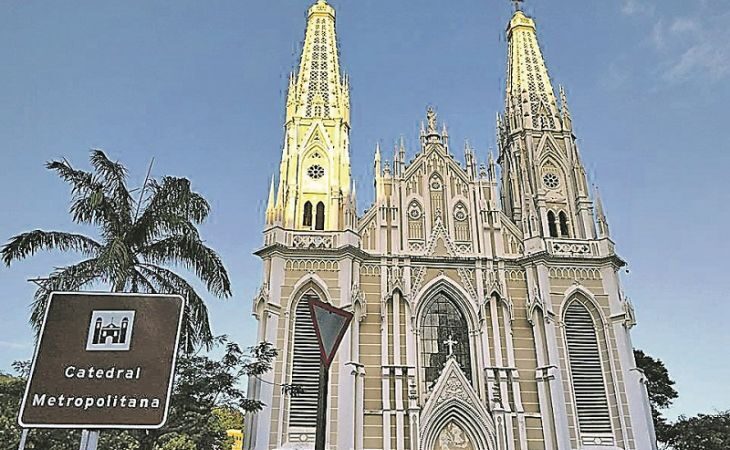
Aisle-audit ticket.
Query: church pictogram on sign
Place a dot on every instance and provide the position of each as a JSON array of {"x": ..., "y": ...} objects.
[{"x": 110, "y": 331}]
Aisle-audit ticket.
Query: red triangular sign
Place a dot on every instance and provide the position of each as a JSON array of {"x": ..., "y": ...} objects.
[{"x": 331, "y": 324}]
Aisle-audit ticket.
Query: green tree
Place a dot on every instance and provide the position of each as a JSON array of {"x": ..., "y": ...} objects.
[
  {"x": 11, "y": 392},
  {"x": 661, "y": 392},
  {"x": 206, "y": 401},
  {"x": 139, "y": 237},
  {"x": 207, "y": 397},
  {"x": 702, "y": 432}
]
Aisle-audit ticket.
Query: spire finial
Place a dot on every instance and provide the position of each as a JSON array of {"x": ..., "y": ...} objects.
[{"x": 517, "y": 5}]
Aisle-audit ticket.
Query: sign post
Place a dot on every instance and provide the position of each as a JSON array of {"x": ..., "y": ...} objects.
[
  {"x": 103, "y": 360},
  {"x": 330, "y": 324}
]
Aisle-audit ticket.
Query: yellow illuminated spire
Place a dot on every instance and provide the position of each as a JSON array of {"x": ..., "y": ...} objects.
[
  {"x": 527, "y": 78},
  {"x": 314, "y": 182},
  {"x": 318, "y": 89}
]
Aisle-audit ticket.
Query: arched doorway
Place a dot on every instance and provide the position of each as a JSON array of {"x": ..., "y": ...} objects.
[{"x": 453, "y": 437}]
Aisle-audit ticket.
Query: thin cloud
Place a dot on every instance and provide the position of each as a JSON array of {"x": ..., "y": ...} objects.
[
  {"x": 637, "y": 8},
  {"x": 695, "y": 47},
  {"x": 692, "y": 47},
  {"x": 14, "y": 345}
]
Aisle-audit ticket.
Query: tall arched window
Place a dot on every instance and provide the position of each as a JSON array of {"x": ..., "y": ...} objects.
[
  {"x": 307, "y": 221},
  {"x": 305, "y": 366},
  {"x": 319, "y": 222},
  {"x": 564, "y": 231},
  {"x": 586, "y": 371},
  {"x": 442, "y": 322},
  {"x": 552, "y": 224}
]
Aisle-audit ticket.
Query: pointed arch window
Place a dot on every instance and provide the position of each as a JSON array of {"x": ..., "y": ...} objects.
[
  {"x": 443, "y": 321},
  {"x": 307, "y": 220},
  {"x": 564, "y": 230},
  {"x": 586, "y": 371},
  {"x": 319, "y": 221},
  {"x": 415, "y": 221},
  {"x": 305, "y": 366},
  {"x": 552, "y": 224}
]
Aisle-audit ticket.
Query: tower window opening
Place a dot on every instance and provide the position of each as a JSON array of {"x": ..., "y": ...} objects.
[
  {"x": 319, "y": 222},
  {"x": 584, "y": 353},
  {"x": 305, "y": 362},
  {"x": 307, "y": 222},
  {"x": 552, "y": 224},
  {"x": 564, "y": 232}
]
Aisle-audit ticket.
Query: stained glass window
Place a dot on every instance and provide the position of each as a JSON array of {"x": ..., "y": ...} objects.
[{"x": 443, "y": 321}]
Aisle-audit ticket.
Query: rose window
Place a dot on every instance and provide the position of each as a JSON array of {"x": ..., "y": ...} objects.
[
  {"x": 315, "y": 172},
  {"x": 551, "y": 180}
]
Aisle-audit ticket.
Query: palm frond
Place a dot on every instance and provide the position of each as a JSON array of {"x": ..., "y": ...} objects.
[
  {"x": 114, "y": 178},
  {"x": 69, "y": 278},
  {"x": 172, "y": 208},
  {"x": 192, "y": 254},
  {"x": 26, "y": 244},
  {"x": 117, "y": 261},
  {"x": 82, "y": 182},
  {"x": 196, "y": 327}
]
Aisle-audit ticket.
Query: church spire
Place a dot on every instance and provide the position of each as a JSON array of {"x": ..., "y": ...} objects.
[
  {"x": 544, "y": 186},
  {"x": 314, "y": 180},
  {"x": 320, "y": 90},
  {"x": 603, "y": 230},
  {"x": 528, "y": 82}
]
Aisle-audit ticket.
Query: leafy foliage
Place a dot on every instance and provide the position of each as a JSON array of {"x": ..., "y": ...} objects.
[
  {"x": 702, "y": 432},
  {"x": 206, "y": 401},
  {"x": 137, "y": 239},
  {"x": 11, "y": 391},
  {"x": 661, "y": 391}
]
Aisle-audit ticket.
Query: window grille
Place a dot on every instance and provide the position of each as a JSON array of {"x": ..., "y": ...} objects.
[
  {"x": 586, "y": 371},
  {"x": 305, "y": 367}
]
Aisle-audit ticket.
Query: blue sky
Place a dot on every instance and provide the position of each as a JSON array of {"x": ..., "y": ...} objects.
[{"x": 200, "y": 87}]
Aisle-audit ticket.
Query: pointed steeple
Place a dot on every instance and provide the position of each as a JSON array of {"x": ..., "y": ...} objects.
[
  {"x": 315, "y": 164},
  {"x": 378, "y": 172},
  {"x": 528, "y": 82},
  {"x": 320, "y": 89},
  {"x": 565, "y": 110},
  {"x": 603, "y": 230},
  {"x": 270, "y": 206}
]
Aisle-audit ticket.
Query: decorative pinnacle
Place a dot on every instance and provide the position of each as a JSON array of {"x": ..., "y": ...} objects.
[{"x": 517, "y": 4}]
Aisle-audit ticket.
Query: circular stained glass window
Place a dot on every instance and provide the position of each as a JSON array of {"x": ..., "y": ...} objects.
[
  {"x": 414, "y": 211},
  {"x": 551, "y": 180},
  {"x": 316, "y": 171},
  {"x": 460, "y": 213}
]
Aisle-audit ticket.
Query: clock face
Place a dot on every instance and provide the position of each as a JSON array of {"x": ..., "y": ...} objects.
[
  {"x": 551, "y": 180},
  {"x": 315, "y": 172}
]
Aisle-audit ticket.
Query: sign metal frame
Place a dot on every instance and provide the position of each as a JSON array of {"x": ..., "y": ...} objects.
[
  {"x": 103, "y": 426},
  {"x": 313, "y": 303}
]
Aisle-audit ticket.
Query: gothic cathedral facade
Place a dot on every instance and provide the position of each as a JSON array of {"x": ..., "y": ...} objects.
[{"x": 488, "y": 308}]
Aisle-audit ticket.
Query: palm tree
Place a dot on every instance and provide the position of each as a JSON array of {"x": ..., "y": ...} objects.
[{"x": 137, "y": 238}]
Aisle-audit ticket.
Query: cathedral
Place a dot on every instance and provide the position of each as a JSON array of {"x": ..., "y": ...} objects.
[{"x": 488, "y": 310}]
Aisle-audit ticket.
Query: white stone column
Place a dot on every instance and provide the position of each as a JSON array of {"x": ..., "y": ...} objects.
[
  {"x": 642, "y": 422},
  {"x": 557, "y": 393}
]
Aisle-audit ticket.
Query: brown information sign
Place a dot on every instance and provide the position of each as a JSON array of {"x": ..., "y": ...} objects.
[{"x": 103, "y": 361}]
